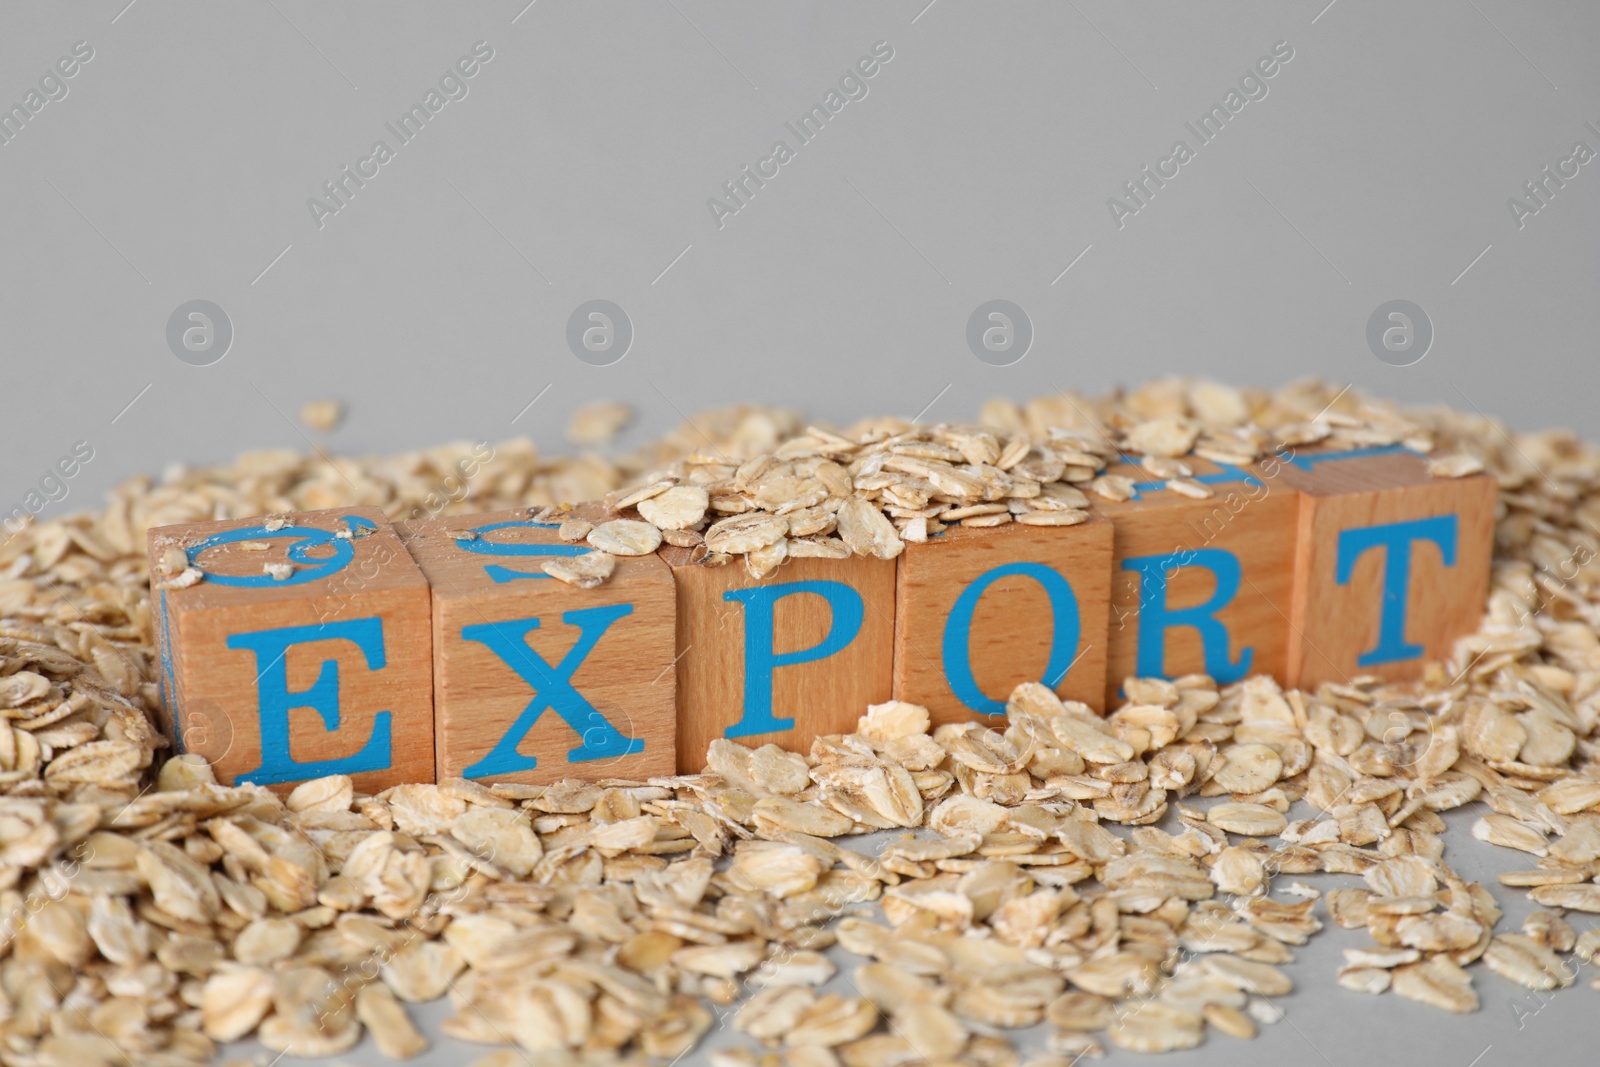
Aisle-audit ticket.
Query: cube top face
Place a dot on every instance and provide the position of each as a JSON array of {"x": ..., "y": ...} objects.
[
  {"x": 323, "y": 671},
  {"x": 979, "y": 611},
  {"x": 783, "y": 659},
  {"x": 535, "y": 680},
  {"x": 1152, "y": 494},
  {"x": 1393, "y": 563},
  {"x": 1325, "y": 473},
  {"x": 1200, "y": 586},
  {"x": 468, "y": 557},
  {"x": 330, "y": 554}
]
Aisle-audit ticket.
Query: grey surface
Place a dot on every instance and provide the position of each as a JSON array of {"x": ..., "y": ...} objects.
[{"x": 977, "y": 168}]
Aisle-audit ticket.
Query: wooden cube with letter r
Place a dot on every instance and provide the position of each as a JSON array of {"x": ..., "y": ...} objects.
[
  {"x": 302, "y": 652},
  {"x": 782, "y": 659},
  {"x": 1199, "y": 586},
  {"x": 1392, "y": 562},
  {"x": 536, "y": 680},
  {"x": 980, "y": 611}
]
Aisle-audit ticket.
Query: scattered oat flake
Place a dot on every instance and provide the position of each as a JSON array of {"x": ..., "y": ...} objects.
[
  {"x": 1455, "y": 466},
  {"x": 625, "y": 537},
  {"x": 324, "y": 416},
  {"x": 599, "y": 423},
  {"x": 586, "y": 571}
]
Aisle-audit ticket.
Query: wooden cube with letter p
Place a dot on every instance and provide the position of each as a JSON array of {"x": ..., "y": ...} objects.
[
  {"x": 536, "y": 680},
  {"x": 1392, "y": 563},
  {"x": 303, "y": 652},
  {"x": 979, "y": 611},
  {"x": 783, "y": 659},
  {"x": 1199, "y": 586}
]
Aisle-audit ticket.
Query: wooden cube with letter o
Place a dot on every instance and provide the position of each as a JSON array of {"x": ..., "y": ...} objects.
[
  {"x": 303, "y": 651},
  {"x": 980, "y": 611},
  {"x": 536, "y": 680}
]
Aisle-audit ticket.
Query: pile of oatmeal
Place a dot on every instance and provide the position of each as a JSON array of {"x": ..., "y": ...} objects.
[{"x": 1129, "y": 880}]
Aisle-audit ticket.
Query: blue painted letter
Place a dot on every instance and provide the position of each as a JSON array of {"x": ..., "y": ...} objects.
[
  {"x": 958, "y": 633},
  {"x": 1156, "y": 618},
  {"x": 275, "y": 701},
  {"x": 1395, "y": 539},
  {"x": 502, "y": 548},
  {"x": 306, "y": 538},
  {"x": 552, "y": 688},
  {"x": 760, "y": 659}
]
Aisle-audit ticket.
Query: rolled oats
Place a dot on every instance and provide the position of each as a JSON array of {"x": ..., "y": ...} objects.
[
  {"x": 625, "y": 537},
  {"x": 598, "y": 423},
  {"x": 1438, "y": 982},
  {"x": 587, "y": 571},
  {"x": 680, "y": 507},
  {"x": 586, "y": 922}
]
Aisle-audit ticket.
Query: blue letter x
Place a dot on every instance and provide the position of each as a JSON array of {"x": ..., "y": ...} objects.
[{"x": 552, "y": 688}]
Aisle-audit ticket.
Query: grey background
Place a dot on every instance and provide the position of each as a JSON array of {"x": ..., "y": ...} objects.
[
  {"x": 978, "y": 167},
  {"x": 578, "y": 167}
]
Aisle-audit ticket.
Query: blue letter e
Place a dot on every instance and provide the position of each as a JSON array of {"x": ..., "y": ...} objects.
[
  {"x": 1156, "y": 618},
  {"x": 275, "y": 701},
  {"x": 1396, "y": 540},
  {"x": 761, "y": 659}
]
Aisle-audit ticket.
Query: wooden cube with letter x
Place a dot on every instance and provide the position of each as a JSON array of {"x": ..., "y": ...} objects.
[
  {"x": 1198, "y": 586},
  {"x": 979, "y": 611},
  {"x": 534, "y": 679},
  {"x": 1392, "y": 562},
  {"x": 783, "y": 659},
  {"x": 301, "y": 651}
]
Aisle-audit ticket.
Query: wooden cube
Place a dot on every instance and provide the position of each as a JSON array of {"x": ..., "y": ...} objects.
[
  {"x": 1392, "y": 563},
  {"x": 323, "y": 668},
  {"x": 979, "y": 611},
  {"x": 1199, "y": 586},
  {"x": 783, "y": 659},
  {"x": 535, "y": 680}
]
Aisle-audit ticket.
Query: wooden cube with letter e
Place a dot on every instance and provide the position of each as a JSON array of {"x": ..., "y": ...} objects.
[
  {"x": 1199, "y": 586},
  {"x": 536, "y": 680},
  {"x": 1392, "y": 562},
  {"x": 302, "y": 652},
  {"x": 979, "y": 611},
  {"x": 783, "y": 659}
]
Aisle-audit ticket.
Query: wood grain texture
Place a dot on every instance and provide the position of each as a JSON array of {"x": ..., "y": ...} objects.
[
  {"x": 1011, "y": 636},
  {"x": 368, "y": 639},
  {"x": 822, "y": 696},
  {"x": 1253, "y": 521},
  {"x": 485, "y": 653},
  {"x": 1337, "y": 624}
]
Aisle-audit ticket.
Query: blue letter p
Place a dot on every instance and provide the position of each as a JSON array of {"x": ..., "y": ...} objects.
[{"x": 760, "y": 658}]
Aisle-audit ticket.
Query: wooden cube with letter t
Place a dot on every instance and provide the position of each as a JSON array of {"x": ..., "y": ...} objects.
[
  {"x": 782, "y": 659},
  {"x": 303, "y": 652},
  {"x": 1392, "y": 563},
  {"x": 979, "y": 611},
  {"x": 535, "y": 680},
  {"x": 1199, "y": 586}
]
